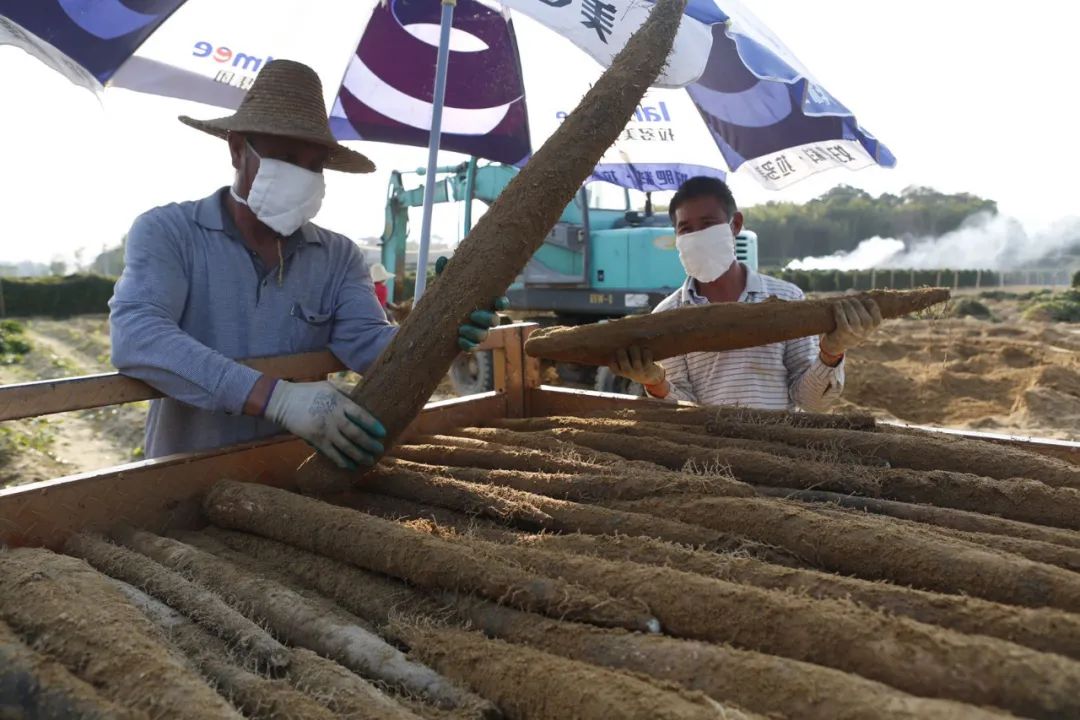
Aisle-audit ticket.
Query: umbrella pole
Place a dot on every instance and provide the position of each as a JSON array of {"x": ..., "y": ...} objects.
[{"x": 433, "y": 144}]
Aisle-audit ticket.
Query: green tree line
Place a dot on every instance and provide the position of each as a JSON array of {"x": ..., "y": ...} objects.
[{"x": 844, "y": 216}]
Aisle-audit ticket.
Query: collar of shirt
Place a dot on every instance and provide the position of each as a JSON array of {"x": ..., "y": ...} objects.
[
  {"x": 754, "y": 286},
  {"x": 212, "y": 213}
]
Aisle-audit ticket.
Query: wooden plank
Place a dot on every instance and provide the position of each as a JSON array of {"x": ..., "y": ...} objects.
[
  {"x": 46, "y": 397},
  {"x": 166, "y": 493}
]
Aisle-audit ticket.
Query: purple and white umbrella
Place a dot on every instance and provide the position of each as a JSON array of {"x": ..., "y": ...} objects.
[{"x": 417, "y": 72}]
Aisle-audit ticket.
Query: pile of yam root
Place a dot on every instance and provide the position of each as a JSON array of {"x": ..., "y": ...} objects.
[{"x": 647, "y": 563}]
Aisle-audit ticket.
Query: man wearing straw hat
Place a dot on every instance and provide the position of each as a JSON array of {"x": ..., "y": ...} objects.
[{"x": 244, "y": 273}]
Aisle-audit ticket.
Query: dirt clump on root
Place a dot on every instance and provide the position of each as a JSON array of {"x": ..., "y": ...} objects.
[
  {"x": 80, "y": 617},
  {"x": 1043, "y": 629},
  {"x": 901, "y": 555},
  {"x": 534, "y": 685},
  {"x": 34, "y": 685}
]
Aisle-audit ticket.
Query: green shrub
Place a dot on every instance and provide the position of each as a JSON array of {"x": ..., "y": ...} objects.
[
  {"x": 969, "y": 307},
  {"x": 1064, "y": 307},
  {"x": 12, "y": 343},
  {"x": 57, "y": 296},
  {"x": 1076, "y": 279}
]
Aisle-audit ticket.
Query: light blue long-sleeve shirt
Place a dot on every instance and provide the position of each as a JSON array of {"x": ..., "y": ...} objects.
[{"x": 193, "y": 298}]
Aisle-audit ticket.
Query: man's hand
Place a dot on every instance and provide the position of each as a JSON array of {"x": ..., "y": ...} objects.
[
  {"x": 636, "y": 364},
  {"x": 329, "y": 421},
  {"x": 855, "y": 321},
  {"x": 475, "y": 331}
]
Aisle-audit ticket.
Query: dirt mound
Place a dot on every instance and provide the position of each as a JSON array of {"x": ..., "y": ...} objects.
[{"x": 1014, "y": 376}]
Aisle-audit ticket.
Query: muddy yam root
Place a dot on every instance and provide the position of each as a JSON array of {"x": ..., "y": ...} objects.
[
  {"x": 683, "y": 415},
  {"x": 317, "y": 625},
  {"x": 833, "y": 633},
  {"x": 376, "y": 544},
  {"x": 256, "y": 696},
  {"x": 918, "y": 451},
  {"x": 901, "y": 555},
  {"x": 486, "y": 262},
  {"x": 197, "y": 603},
  {"x": 766, "y": 684},
  {"x": 715, "y": 327},
  {"x": 534, "y": 685},
  {"x": 33, "y": 685},
  {"x": 81, "y": 618},
  {"x": 1043, "y": 629}
]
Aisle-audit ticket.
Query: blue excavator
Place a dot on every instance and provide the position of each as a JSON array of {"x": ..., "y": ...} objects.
[{"x": 596, "y": 263}]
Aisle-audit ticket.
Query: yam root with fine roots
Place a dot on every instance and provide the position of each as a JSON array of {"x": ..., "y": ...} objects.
[
  {"x": 196, "y": 602},
  {"x": 585, "y": 487},
  {"x": 301, "y": 621},
  {"x": 648, "y": 431},
  {"x": 255, "y": 696},
  {"x": 1041, "y": 552},
  {"x": 898, "y": 554},
  {"x": 34, "y": 685},
  {"x": 383, "y": 546},
  {"x": 758, "y": 682},
  {"x": 715, "y": 327},
  {"x": 703, "y": 415},
  {"x": 1016, "y": 499},
  {"x": 540, "y": 512},
  {"x": 491, "y": 458},
  {"x": 921, "y": 451},
  {"x": 767, "y": 684},
  {"x": 69, "y": 611},
  {"x": 834, "y": 633},
  {"x": 938, "y": 517},
  {"x": 528, "y": 683},
  {"x": 1043, "y": 629},
  {"x": 391, "y": 508},
  {"x": 486, "y": 262}
]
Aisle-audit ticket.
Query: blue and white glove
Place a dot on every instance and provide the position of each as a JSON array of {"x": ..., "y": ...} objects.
[{"x": 476, "y": 330}]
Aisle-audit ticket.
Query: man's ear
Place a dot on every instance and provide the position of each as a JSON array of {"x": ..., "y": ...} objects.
[
  {"x": 236, "y": 148},
  {"x": 737, "y": 223}
]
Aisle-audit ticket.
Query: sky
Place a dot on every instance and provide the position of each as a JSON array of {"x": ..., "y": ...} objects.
[{"x": 970, "y": 96}]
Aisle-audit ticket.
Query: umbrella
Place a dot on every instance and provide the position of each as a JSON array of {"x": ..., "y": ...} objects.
[{"x": 732, "y": 99}]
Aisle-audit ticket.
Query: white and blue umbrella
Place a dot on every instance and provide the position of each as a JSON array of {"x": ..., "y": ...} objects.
[{"x": 421, "y": 72}]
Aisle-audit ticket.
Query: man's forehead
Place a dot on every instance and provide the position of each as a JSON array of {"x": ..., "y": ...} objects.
[{"x": 701, "y": 206}]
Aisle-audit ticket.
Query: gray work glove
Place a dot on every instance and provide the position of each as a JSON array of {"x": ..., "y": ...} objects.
[
  {"x": 855, "y": 322},
  {"x": 329, "y": 421},
  {"x": 636, "y": 364}
]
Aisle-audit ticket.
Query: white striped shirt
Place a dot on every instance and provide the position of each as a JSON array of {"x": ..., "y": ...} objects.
[{"x": 782, "y": 376}]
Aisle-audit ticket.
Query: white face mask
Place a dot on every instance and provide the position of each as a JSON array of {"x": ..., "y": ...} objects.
[
  {"x": 283, "y": 196},
  {"x": 707, "y": 254}
]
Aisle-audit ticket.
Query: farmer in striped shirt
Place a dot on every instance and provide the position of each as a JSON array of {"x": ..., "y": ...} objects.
[{"x": 805, "y": 373}]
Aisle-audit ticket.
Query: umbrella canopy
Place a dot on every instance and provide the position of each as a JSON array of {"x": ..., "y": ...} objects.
[{"x": 732, "y": 98}]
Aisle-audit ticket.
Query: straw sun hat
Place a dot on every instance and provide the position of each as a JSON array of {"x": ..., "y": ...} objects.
[{"x": 287, "y": 99}]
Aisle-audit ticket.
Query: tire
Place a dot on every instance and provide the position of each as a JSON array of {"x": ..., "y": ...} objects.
[
  {"x": 609, "y": 382},
  {"x": 472, "y": 373}
]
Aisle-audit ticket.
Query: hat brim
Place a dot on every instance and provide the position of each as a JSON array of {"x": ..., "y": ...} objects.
[
  {"x": 382, "y": 277},
  {"x": 341, "y": 158}
]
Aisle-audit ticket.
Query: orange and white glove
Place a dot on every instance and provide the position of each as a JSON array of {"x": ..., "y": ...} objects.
[
  {"x": 855, "y": 322},
  {"x": 636, "y": 364}
]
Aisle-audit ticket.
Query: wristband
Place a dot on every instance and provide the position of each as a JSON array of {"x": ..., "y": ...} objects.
[{"x": 829, "y": 357}]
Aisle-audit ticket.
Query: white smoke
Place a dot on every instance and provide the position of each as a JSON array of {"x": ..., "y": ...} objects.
[{"x": 983, "y": 242}]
